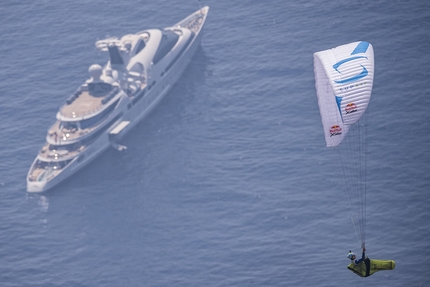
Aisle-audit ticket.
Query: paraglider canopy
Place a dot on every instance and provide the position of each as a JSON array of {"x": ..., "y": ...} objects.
[{"x": 343, "y": 80}]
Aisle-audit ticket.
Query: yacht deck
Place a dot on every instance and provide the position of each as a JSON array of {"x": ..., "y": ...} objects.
[{"x": 83, "y": 105}]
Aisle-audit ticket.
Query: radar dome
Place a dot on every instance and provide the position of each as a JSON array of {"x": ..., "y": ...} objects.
[{"x": 95, "y": 72}]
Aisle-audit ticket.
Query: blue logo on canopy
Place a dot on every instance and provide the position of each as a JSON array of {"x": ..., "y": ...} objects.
[
  {"x": 361, "y": 48},
  {"x": 339, "y": 103}
]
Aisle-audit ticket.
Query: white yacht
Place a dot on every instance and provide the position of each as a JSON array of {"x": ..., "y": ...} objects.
[{"x": 141, "y": 70}]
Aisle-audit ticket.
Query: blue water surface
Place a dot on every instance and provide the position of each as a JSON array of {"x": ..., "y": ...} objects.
[{"x": 228, "y": 182}]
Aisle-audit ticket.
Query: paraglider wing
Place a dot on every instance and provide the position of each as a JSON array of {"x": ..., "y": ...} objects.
[{"x": 343, "y": 81}]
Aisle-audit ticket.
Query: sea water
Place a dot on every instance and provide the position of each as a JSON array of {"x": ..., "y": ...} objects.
[{"x": 228, "y": 182}]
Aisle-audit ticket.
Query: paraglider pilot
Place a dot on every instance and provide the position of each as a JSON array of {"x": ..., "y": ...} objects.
[{"x": 352, "y": 256}]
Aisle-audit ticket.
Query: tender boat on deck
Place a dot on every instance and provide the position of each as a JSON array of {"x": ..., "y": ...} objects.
[{"x": 141, "y": 70}]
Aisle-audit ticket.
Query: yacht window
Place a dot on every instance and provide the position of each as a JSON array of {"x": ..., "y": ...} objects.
[
  {"x": 69, "y": 126},
  {"x": 95, "y": 135},
  {"x": 99, "y": 89},
  {"x": 168, "y": 41},
  {"x": 52, "y": 165},
  {"x": 115, "y": 56},
  {"x": 67, "y": 147},
  {"x": 97, "y": 118},
  {"x": 140, "y": 46}
]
